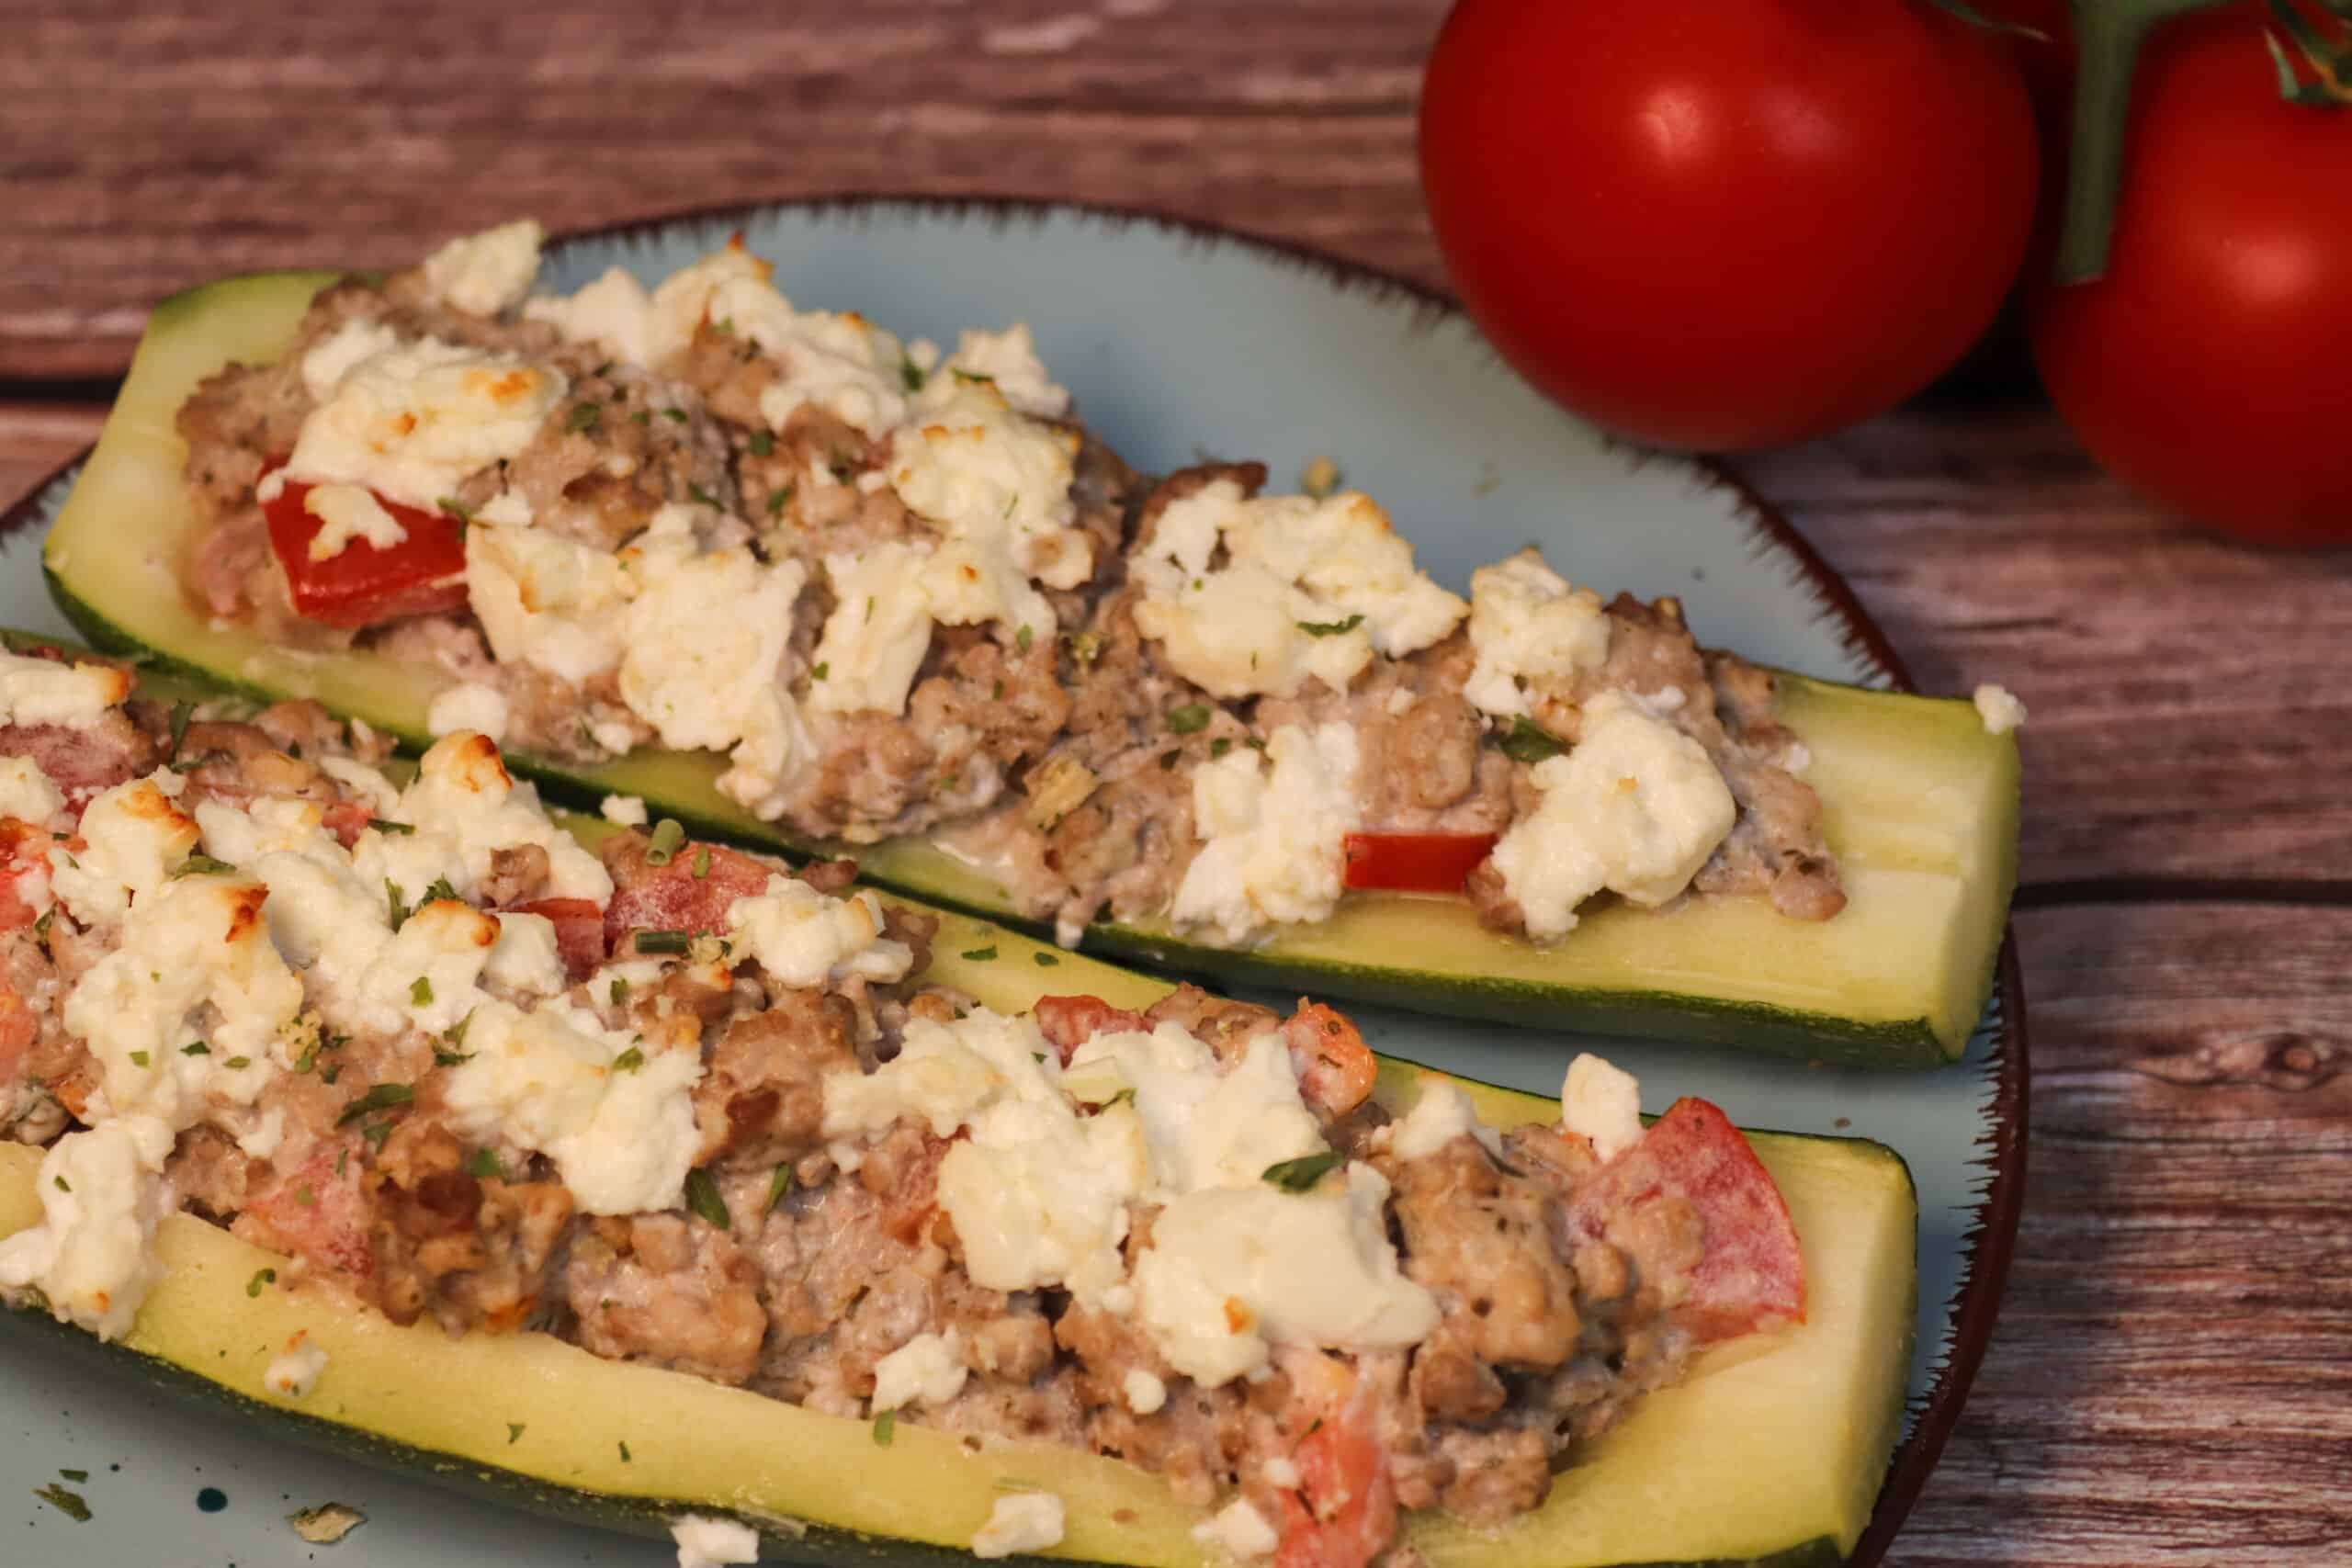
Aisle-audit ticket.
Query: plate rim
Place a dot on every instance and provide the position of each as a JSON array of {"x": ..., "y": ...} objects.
[{"x": 1989, "y": 1243}]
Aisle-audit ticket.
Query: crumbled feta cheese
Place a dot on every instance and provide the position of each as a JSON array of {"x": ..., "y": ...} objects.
[
  {"x": 349, "y": 512},
  {"x": 464, "y": 808},
  {"x": 706, "y": 640},
  {"x": 365, "y": 784},
  {"x": 1233, "y": 1270},
  {"x": 644, "y": 328},
  {"x": 877, "y": 633},
  {"x": 1442, "y": 1114},
  {"x": 134, "y": 838},
  {"x": 622, "y": 1138},
  {"x": 1999, "y": 708},
  {"x": 942, "y": 1074},
  {"x": 262, "y": 1139},
  {"x": 1008, "y": 360},
  {"x": 44, "y": 690},
  {"x": 704, "y": 1542},
  {"x": 927, "y": 1370},
  {"x": 1020, "y": 1521},
  {"x": 1527, "y": 624},
  {"x": 486, "y": 273},
  {"x": 1636, "y": 808},
  {"x": 1204, "y": 1125},
  {"x": 802, "y": 937},
  {"x": 93, "y": 1254},
  {"x": 196, "y": 962},
  {"x": 1310, "y": 587},
  {"x": 1143, "y": 1391},
  {"x": 526, "y": 958},
  {"x": 295, "y": 1372},
  {"x": 1239, "y": 1530},
  {"x": 1603, "y": 1103},
  {"x": 411, "y": 421},
  {"x": 469, "y": 705},
  {"x": 628, "y": 810},
  {"x": 977, "y": 467},
  {"x": 548, "y": 600},
  {"x": 334, "y": 356},
  {"x": 841, "y": 364},
  {"x": 241, "y": 835},
  {"x": 27, "y": 793},
  {"x": 1272, "y": 833}
]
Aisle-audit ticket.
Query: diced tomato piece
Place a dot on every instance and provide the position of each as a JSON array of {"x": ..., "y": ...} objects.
[
  {"x": 1069, "y": 1023},
  {"x": 1414, "y": 863},
  {"x": 363, "y": 584},
  {"x": 1335, "y": 1068},
  {"x": 670, "y": 897},
  {"x": 24, "y": 872},
  {"x": 346, "y": 819},
  {"x": 318, "y": 1212},
  {"x": 1751, "y": 1276},
  {"x": 1343, "y": 1513},
  {"x": 579, "y": 930}
]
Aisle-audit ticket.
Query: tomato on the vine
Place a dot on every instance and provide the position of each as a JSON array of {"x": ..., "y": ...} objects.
[
  {"x": 2201, "y": 369},
  {"x": 1732, "y": 224}
]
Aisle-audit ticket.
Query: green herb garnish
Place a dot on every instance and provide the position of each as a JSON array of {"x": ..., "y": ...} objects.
[
  {"x": 1330, "y": 628},
  {"x": 702, "y": 497},
  {"x": 1529, "y": 742},
  {"x": 776, "y": 498},
  {"x": 1298, "y": 1175},
  {"x": 911, "y": 375},
  {"x": 395, "y": 905},
  {"x": 419, "y": 991},
  {"x": 885, "y": 1426},
  {"x": 665, "y": 941},
  {"x": 778, "y": 1186},
  {"x": 584, "y": 417},
  {"x": 980, "y": 954},
  {"x": 238, "y": 1064},
  {"x": 139, "y": 1058},
  {"x": 202, "y": 866},
  {"x": 676, "y": 416},
  {"x": 181, "y": 713},
  {"x": 262, "y": 1277},
  {"x": 383, "y": 825},
  {"x": 1047, "y": 960},
  {"x": 667, "y": 838},
  {"x": 486, "y": 1166},
  {"x": 702, "y": 1197},
  {"x": 1022, "y": 639},
  {"x": 382, "y": 1097},
  {"x": 702, "y": 862},
  {"x": 1189, "y": 720},
  {"x": 513, "y": 1433},
  {"x": 617, "y": 991},
  {"x": 629, "y": 1060},
  {"x": 70, "y": 1504},
  {"x": 760, "y": 444}
]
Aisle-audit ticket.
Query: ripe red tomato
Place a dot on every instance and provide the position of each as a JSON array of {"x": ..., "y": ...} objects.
[
  {"x": 1729, "y": 224},
  {"x": 2201, "y": 370}
]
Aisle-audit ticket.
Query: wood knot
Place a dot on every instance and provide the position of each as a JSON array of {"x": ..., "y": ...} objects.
[{"x": 2283, "y": 1059}]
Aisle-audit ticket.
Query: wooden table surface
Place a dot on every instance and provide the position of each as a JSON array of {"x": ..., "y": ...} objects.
[{"x": 2171, "y": 1382}]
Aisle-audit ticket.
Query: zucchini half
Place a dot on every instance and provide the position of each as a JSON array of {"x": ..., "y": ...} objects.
[
  {"x": 1772, "y": 1455},
  {"x": 1920, "y": 803}
]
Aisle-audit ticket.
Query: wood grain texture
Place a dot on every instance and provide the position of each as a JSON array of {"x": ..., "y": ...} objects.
[
  {"x": 2170, "y": 1382},
  {"x": 35, "y": 437}
]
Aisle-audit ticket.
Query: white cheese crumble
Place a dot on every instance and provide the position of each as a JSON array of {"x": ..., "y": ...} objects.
[
  {"x": 927, "y": 1370},
  {"x": 623, "y": 1137},
  {"x": 134, "y": 838},
  {"x": 1020, "y": 1521},
  {"x": 1272, "y": 833},
  {"x": 463, "y": 806},
  {"x": 411, "y": 421},
  {"x": 196, "y": 962},
  {"x": 627, "y": 810},
  {"x": 101, "y": 1194},
  {"x": 802, "y": 937},
  {"x": 295, "y": 1372},
  {"x": 1636, "y": 808},
  {"x": 1144, "y": 1391},
  {"x": 877, "y": 633},
  {"x": 1999, "y": 708},
  {"x": 1527, "y": 624},
  {"x": 349, "y": 512},
  {"x": 1239, "y": 1530},
  {"x": 44, "y": 690},
  {"x": 1442, "y": 1114},
  {"x": 469, "y": 705},
  {"x": 1008, "y": 360},
  {"x": 1309, "y": 588},
  {"x": 486, "y": 273},
  {"x": 1603, "y": 1103},
  {"x": 1234, "y": 1270},
  {"x": 980, "y": 467},
  {"x": 706, "y": 1543},
  {"x": 1204, "y": 1125},
  {"x": 546, "y": 601},
  {"x": 27, "y": 793},
  {"x": 646, "y": 329}
]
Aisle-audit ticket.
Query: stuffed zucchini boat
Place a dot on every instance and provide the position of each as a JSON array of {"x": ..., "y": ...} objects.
[
  {"x": 731, "y": 1193},
  {"x": 790, "y": 580}
]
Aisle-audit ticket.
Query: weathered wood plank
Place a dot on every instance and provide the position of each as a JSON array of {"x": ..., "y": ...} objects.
[
  {"x": 36, "y": 437},
  {"x": 155, "y": 147},
  {"x": 2169, "y": 1383}
]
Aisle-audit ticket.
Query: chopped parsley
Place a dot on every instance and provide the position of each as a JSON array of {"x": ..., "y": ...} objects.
[
  {"x": 702, "y": 497},
  {"x": 668, "y": 838},
  {"x": 981, "y": 955},
  {"x": 975, "y": 377},
  {"x": 676, "y": 416},
  {"x": 238, "y": 1064},
  {"x": 1330, "y": 628},
  {"x": 375, "y": 1133},
  {"x": 1529, "y": 742},
  {"x": 885, "y": 1426},
  {"x": 625, "y": 1459},
  {"x": 304, "y": 1196},
  {"x": 456, "y": 508},
  {"x": 1022, "y": 639},
  {"x": 384, "y": 825},
  {"x": 74, "y": 1474},
  {"x": 824, "y": 668},
  {"x": 70, "y": 1504},
  {"x": 139, "y": 1058},
  {"x": 1300, "y": 1174},
  {"x": 665, "y": 941},
  {"x": 382, "y": 1097},
  {"x": 911, "y": 375},
  {"x": 642, "y": 416},
  {"x": 513, "y": 1433},
  {"x": 1047, "y": 960},
  {"x": 779, "y": 1185},
  {"x": 395, "y": 904},
  {"x": 702, "y": 862},
  {"x": 629, "y": 1060},
  {"x": 776, "y": 498},
  {"x": 181, "y": 713},
  {"x": 702, "y": 1197},
  {"x": 1189, "y": 720},
  {"x": 1220, "y": 746},
  {"x": 618, "y": 992},
  {"x": 202, "y": 866},
  {"x": 486, "y": 1166},
  {"x": 584, "y": 416},
  {"x": 419, "y": 991},
  {"x": 445, "y": 1057},
  {"x": 440, "y": 892},
  {"x": 60, "y": 1184},
  {"x": 760, "y": 444},
  {"x": 262, "y": 1279}
]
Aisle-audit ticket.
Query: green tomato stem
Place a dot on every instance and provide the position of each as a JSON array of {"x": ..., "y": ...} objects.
[{"x": 2107, "y": 35}]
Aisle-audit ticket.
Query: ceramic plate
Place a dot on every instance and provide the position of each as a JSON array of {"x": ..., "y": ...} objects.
[{"x": 1178, "y": 339}]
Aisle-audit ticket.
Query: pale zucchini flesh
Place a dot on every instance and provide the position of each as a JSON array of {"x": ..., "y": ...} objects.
[
  {"x": 1772, "y": 1454},
  {"x": 1920, "y": 803}
]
